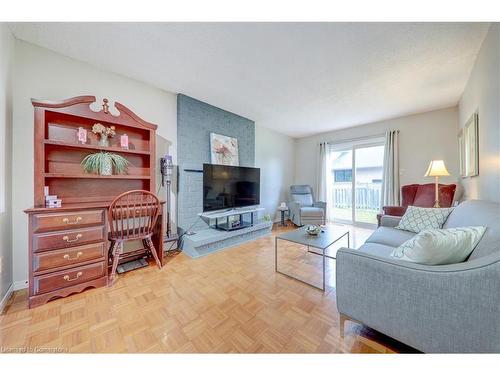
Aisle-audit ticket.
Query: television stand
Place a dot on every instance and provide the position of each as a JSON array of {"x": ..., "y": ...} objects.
[{"x": 230, "y": 220}]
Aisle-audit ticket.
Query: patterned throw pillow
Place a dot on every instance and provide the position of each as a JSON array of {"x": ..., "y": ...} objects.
[
  {"x": 440, "y": 246},
  {"x": 417, "y": 219}
]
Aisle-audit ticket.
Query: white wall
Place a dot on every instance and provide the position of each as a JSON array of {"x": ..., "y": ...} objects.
[
  {"x": 6, "y": 65},
  {"x": 274, "y": 154},
  {"x": 423, "y": 137},
  {"x": 482, "y": 94},
  {"x": 42, "y": 74}
]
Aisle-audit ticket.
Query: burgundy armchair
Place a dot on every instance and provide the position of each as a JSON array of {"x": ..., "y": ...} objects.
[{"x": 420, "y": 196}]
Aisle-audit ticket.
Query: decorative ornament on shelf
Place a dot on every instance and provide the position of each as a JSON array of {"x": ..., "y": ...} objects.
[
  {"x": 104, "y": 133},
  {"x": 82, "y": 135},
  {"x": 124, "y": 141},
  {"x": 103, "y": 163},
  {"x": 105, "y": 106}
]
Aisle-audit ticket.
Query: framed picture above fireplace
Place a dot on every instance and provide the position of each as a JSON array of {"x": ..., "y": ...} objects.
[{"x": 223, "y": 150}]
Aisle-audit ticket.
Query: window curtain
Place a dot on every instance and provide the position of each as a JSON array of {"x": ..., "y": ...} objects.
[
  {"x": 324, "y": 183},
  {"x": 321, "y": 186},
  {"x": 390, "y": 181}
]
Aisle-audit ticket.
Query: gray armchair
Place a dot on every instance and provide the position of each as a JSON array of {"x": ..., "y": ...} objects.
[
  {"x": 304, "y": 210},
  {"x": 437, "y": 309}
]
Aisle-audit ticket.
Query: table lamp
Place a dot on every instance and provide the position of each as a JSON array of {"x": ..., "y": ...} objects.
[{"x": 437, "y": 169}]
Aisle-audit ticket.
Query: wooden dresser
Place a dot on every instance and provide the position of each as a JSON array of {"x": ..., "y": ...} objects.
[{"x": 68, "y": 246}]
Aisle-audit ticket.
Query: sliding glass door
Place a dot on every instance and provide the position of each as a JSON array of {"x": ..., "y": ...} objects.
[{"x": 355, "y": 182}]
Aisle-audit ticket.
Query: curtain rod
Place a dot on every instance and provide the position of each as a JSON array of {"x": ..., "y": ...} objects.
[{"x": 357, "y": 138}]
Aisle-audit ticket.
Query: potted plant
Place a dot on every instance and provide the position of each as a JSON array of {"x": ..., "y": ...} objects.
[
  {"x": 103, "y": 163},
  {"x": 104, "y": 133}
]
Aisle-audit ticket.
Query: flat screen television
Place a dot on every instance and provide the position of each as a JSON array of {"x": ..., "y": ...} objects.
[{"x": 226, "y": 187}]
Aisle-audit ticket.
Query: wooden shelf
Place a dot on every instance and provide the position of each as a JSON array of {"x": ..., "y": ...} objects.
[
  {"x": 96, "y": 176},
  {"x": 95, "y": 147},
  {"x": 58, "y": 155}
]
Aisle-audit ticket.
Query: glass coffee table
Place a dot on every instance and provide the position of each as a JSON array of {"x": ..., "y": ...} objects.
[{"x": 321, "y": 242}]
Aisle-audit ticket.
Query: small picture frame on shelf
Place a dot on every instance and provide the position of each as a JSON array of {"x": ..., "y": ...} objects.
[
  {"x": 124, "y": 141},
  {"x": 82, "y": 135}
]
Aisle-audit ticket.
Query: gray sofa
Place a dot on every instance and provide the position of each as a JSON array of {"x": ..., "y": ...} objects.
[
  {"x": 436, "y": 309},
  {"x": 304, "y": 209}
]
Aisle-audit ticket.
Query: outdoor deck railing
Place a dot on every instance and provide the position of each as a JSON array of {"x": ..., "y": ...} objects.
[{"x": 367, "y": 195}]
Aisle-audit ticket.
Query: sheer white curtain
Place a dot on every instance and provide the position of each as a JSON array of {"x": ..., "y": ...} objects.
[
  {"x": 322, "y": 162},
  {"x": 390, "y": 180},
  {"x": 324, "y": 182}
]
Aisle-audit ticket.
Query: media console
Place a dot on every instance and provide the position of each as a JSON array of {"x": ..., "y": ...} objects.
[
  {"x": 218, "y": 237},
  {"x": 225, "y": 220}
]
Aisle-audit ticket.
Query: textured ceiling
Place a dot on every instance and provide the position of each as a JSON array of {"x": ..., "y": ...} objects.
[{"x": 296, "y": 78}]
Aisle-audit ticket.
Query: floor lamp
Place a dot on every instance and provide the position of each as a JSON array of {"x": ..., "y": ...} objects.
[{"x": 437, "y": 169}]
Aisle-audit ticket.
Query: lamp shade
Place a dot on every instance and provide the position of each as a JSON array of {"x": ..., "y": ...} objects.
[{"x": 436, "y": 169}]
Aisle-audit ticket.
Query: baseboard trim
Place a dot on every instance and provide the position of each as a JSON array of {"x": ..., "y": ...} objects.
[
  {"x": 18, "y": 285},
  {"x": 6, "y": 297}
]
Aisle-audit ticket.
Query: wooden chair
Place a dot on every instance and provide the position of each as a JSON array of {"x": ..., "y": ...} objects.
[{"x": 132, "y": 216}]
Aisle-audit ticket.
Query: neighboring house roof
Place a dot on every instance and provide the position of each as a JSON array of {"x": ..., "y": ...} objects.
[{"x": 368, "y": 158}]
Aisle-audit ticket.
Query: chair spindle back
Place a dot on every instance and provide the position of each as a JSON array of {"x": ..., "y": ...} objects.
[{"x": 133, "y": 215}]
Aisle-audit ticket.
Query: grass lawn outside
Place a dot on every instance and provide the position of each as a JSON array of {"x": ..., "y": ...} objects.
[{"x": 364, "y": 216}]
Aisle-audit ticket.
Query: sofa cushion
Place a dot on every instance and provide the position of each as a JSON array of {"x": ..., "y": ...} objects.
[
  {"x": 478, "y": 213},
  {"x": 390, "y": 236},
  {"x": 376, "y": 249},
  {"x": 417, "y": 219},
  {"x": 311, "y": 211},
  {"x": 440, "y": 246}
]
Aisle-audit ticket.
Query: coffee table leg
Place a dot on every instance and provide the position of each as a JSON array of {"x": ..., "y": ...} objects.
[
  {"x": 276, "y": 254},
  {"x": 348, "y": 240},
  {"x": 324, "y": 270}
]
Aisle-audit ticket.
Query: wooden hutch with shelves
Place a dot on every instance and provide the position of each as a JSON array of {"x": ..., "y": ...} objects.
[{"x": 69, "y": 245}]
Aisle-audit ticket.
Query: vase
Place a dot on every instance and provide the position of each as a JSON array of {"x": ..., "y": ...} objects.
[
  {"x": 106, "y": 168},
  {"x": 104, "y": 141}
]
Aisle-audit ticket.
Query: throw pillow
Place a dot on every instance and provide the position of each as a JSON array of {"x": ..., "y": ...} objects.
[
  {"x": 440, "y": 246},
  {"x": 417, "y": 219}
]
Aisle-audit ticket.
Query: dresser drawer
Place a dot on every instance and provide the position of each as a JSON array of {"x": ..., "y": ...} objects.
[
  {"x": 67, "y": 257},
  {"x": 68, "y": 238},
  {"x": 70, "y": 277},
  {"x": 67, "y": 220}
]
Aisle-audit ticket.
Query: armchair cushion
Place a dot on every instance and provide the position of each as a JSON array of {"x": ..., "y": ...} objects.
[
  {"x": 320, "y": 204},
  {"x": 311, "y": 211},
  {"x": 394, "y": 210},
  {"x": 303, "y": 199}
]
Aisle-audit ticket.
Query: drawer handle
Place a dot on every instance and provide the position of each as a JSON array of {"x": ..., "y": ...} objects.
[
  {"x": 78, "y": 236},
  {"x": 67, "y": 278},
  {"x": 78, "y": 255},
  {"x": 77, "y": 220}
]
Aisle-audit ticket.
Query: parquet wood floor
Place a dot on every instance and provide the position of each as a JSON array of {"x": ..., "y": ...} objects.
[{"x": 228, "y": 302}]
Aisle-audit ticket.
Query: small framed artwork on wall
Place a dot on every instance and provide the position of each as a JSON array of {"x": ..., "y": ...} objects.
[
  {"x": 461, "y": 153},
  {"x": 468, "y": 143},
  {"x": 223, "y": 150}
]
